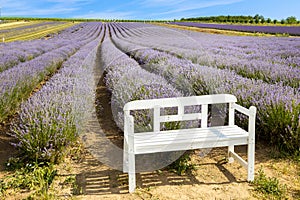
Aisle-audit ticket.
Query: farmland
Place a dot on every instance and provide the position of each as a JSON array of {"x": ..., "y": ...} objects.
[
  {"x": 290, "y": 30},
  {"x": 48, "y": 86},
  {"x": 23, "y": 30}
]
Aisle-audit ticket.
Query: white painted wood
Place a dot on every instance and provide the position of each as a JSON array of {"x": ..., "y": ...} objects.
[
  {"x": 251, "y": 143},
  {"x": 180, "y": 101},
  {"x": 156, "y": 121},
  {"x": 240, "y": 160},
  {"x": 185, "y": 117},
  {"x": 188, "y": 138},
  {"x": 180, "y": 110},
  {"x": 231, "y": 114},
  {"x": 241, "y": 109},
  {"x": 230, "y": 149},
  {"x": 204, "y": 112}
]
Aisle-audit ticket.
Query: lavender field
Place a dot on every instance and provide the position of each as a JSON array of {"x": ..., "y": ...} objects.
[
  {"x": 291, "y": 30},
  {"x": 48, "y": 86}
]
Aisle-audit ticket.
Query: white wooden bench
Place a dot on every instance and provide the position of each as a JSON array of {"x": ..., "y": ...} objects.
[{"x": 189, "y": 138}]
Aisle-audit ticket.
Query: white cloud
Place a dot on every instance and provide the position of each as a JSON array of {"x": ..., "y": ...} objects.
[
  {"x": 136, "y": 9},
  {"x": 39, "y": 8}
]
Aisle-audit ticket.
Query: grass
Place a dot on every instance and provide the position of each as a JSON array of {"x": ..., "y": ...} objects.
[
  {"x": 35, "y": 177},
  {"x": 182, "y": 165},
  {"x": 268, "y": 187},
  {"x": 29, "y": 179},
  {"x": 32, "y": 34},
  {"x": 16, "y": 24}
]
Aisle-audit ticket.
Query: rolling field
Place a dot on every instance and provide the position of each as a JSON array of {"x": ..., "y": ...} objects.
[
  {"x": 18, "y": 31},
  {"x": 49, "y": 88},
  {"x": 290, "y": 30}
]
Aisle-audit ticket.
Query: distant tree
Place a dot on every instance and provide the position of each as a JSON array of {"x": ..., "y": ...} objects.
[
  {"x": 283, "y": 21},
  {"x": 262, "y": 20},
  {"x": 291, "y": 20},
  {"x": 269, "y": 20},
  {"x": 275, "y": 21},
  {"x": 256, "y": 16}
]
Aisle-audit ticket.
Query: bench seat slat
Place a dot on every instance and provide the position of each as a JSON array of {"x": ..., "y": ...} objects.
[{"x": 197, "y": 138}]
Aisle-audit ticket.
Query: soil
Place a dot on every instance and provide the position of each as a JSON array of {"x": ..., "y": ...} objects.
[
  {"x": 6, "y": 149},
  {"x": 212, "y": 178}
]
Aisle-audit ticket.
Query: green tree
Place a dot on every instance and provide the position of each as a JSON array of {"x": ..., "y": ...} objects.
[{"x": 291, "y": 20}]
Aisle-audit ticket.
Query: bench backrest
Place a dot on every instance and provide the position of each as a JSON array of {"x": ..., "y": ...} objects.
[{"x": 181, "y": 103}]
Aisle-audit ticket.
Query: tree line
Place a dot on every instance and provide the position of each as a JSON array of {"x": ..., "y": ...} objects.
[{"x": 257, "y": 19}]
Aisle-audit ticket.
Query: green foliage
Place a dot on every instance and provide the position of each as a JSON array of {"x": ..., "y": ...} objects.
[
  {"x": 258, "y": 19},
  {"x": 268, "y": 186},
  {"x": 282, "y": 127},
  {"x": 36, "y": 177},
  {"x": 182, "y": 164},
  {"x": 291, "y": 20}
]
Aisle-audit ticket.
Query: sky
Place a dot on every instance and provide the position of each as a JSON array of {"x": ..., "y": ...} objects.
[{"x": 149, "y": 9}]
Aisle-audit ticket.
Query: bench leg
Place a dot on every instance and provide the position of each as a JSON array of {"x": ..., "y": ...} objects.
[
  {"x": 125, "y": 157},
  {"x": 251, "y": 157},
  {"x": 230, "y": 158},
  {"x": 131, "y": 172}
]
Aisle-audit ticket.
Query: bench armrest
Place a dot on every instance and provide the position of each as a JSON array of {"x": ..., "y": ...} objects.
[{"x": 250, "y": 112}]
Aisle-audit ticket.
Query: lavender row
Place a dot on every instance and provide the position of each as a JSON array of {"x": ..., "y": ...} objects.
[
  {"x": 17, "y": 83},
  {"x": 276, "y": 103},
  {"x": 31, "y": 26},
  {"x": 266, "y": 67},
  {"x": 16, "y": 52},
  {"x": 291, "y": 30},
  {"x": 167, "y": 65},
  {"x": 53, "y": 117},
  {"x": 128, "y": 81},
  {"x": 279, "y": 50}
]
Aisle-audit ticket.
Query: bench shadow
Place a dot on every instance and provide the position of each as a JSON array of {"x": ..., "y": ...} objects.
[{"x": 110, "y": 181}]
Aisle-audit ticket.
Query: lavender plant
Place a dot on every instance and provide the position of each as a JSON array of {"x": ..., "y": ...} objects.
[
  {"x": 273, "y": 60},
  {"x": 17, "y": 83},
  {"x": 14, "y": 53},
  {"x": 52, "y": 118},
  {"x": 128, "y": 81}
]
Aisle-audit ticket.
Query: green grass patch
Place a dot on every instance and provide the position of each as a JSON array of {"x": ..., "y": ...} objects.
[{"x": 268, "y": 187}]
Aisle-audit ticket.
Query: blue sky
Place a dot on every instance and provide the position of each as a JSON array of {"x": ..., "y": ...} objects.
[{"x": 149, "y": 9}]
